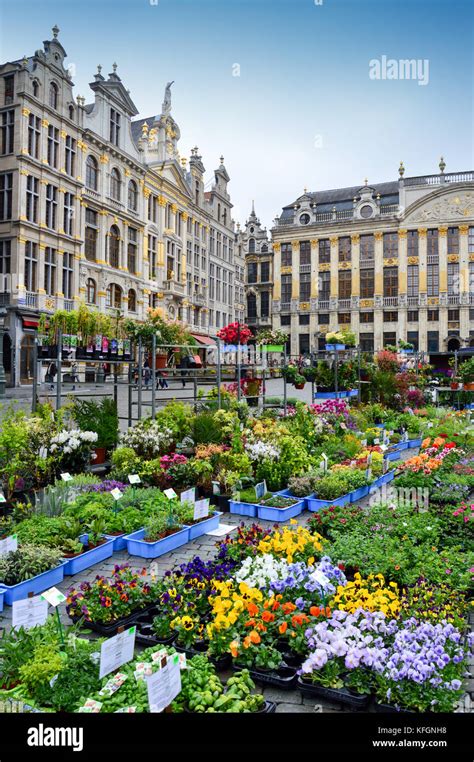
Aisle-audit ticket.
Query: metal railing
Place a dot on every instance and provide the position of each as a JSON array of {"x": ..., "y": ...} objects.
[
  {"x": 69, "y": 305},
  {"x": 31, "y": 299}
]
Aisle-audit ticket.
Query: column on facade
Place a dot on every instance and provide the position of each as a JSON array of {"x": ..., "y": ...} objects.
[
  {"x": 422, "y": 289},
  {"x": 313, "y": 317},
  {"x": 402, "y": 285},
  {"x": 295, "y": 280},
  {"x": 334, "y": 283},
  {"x": 21, "y": 191},
  {"x": 378, "y": 290},
  {"x": 161, "y": 256},
  {"x": 277, "y": 272},
  {"x": 443, "y": 281},
  {"x": 464, "y": 325},
  {"x": 25, "y": 112},
  {"x": 355, "y": 284},
  {"x": 123, "y": 263},
  {"x": 59, "y": 279}
]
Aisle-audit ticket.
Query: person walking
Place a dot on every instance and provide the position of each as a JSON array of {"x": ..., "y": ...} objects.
[
  {"x": 146, "y": 373},
  {"x": 184, "y": 365},
  {"x": 161, "y": 382},
  {"x": 51, "y": 373},
  {"x": 74, "y": 376}
]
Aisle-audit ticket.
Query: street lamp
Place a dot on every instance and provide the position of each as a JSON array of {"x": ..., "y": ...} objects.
[{"x": 3, "y": 314}]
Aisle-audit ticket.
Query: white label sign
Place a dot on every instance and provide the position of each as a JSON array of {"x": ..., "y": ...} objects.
[
  {"x": 320, "y": 578},
  {"x": 8, "y": 545},
  {"x": 29, "y": 612},
  {"x": 3, "y": 499},
  {"x": 201, "y": 509},
  {"x": 117, "y": 651},
  {"x": 189, "y": 495},
  {"x": 163, "y": 686},
  {"x": 116, "y": 493},
  {"x": 260, "y": 490},
  {"x": 66, "y": 477},
  {"x": 170, "y": 493},
  {"x": 216, "y": 489},
  {"x": 53, "y": 596},
  {"x": 324, "y": 462},
  {"x": 134, "y": 479}
]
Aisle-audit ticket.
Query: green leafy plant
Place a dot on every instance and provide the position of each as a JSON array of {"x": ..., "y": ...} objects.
[
  {"x": 27, "y": 562},
  {"x": 100, "y": 417}
]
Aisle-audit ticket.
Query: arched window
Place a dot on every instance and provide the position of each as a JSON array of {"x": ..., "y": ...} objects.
[
  {"x": 132, "y": 196},
  {"x": 92, "y": 173},
  {"x": 252, "y": 246},
  {"x": 132, "y": 300},
  {"x": 114, "y": 246},
  {"x": 53, "y": 95},
  {"x": 115, "y": 184},
  {"x": 71, "y": 112},
  {"x": 91, "y": 291},
  {"x": 251, "y": 306},
  {"x": 35, "y": 88},
  {"x": 114, "y": 296}
]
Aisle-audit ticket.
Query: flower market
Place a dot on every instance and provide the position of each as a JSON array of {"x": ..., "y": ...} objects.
[{"x": 235, "y": 557}]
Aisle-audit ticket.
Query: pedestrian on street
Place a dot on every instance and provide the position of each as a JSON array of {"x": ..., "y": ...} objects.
[
  {"x": 184, "y": 365},
  {"x": 51, "y": 373},
  {"x": 162, "y": 383},
  {"x": 74, "y": 376},
  {"x": 146, "y": 373}
]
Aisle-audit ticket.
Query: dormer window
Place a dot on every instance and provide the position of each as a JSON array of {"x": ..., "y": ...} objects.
[
  {"x": 114, "y": 127},
  {"x": 251, "y": 245},
  {"x": 304, "y": 219},
  {"x": 366, "y": 211},
  {"x": 53, "y": 95}
]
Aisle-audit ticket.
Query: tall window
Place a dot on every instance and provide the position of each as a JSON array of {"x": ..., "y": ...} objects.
[
  {"x": 390, "y": 281},
  {"x": 36, "y": 88},
  {"x": 344, "y": 247},
  {"x": 90, "y": 244},
  {"x": 305, "y": 253},
  {"x": 286, "y": 255},
  {"x": 470, "y": 241},
  {"x": 53, "y": 146},
  {"x": 453, "y": 240},
  {"x": 412, "y": 243},
  {"x": 115, "y": 185},
  {"x": 152, "y": 255},
  {"x": 132, "y": 250},
  {"x": 432, "y": 280},
  {"x": 132, "y": 300},
  {"x": 345, "y": 284},
  {"x": 68, "y": 269},
  {"x": 51, "y": 206},
  {"x": 432, "y": 242},
  {"x": 305, "y": 286},
  {"x": 34, "y": 135},
  {"x": 152, "y": 207},
  {"x": 367, "y": 283},
  {"x": 265, "y": 272},
  {"x": 265, "y": 304},
  {"x": 69, "y": 155},
  {"x": 114, "y": 133},
  {"x": 433, "y": 341},
  {"x": 251, "y": 245},
  {"x": 453, "y": 278},
  {"x": 252, "y": 272},
  {"x": 50, "y": 270},
  {"x": 324, "y": 251},
  {"x": 92, "y": 173},
  {"x": 114, "y": 246},
  {"x": 68, "y": 221},
  {"x": 286, "y": 289},
  {"x": 390, "y": 245},
  {"x": 91, "y": 291},
  {"x": 366, "y": 248},
  {"x": 114, "y": 296},
  {"x": 7, "y": 132},
  {"x": 6, "y": 196},
  {"x": 5, "y": 257},
  {"x": 132, "y": 196},
  {"x": 31, "y": 265},
  {"x": 324, "y": 285},
  {"x": 53, "y": 95},
  {"x": 251, "y": 306},
  {"x": 8, "y": 89},
  {"x": 412, "y": 280},
  {"x": 32, "y": 198}
]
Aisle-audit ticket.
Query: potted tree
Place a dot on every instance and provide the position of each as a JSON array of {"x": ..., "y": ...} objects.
[
  {"x": 102, "y": 418},
  {"x": 466, "y": 372}
]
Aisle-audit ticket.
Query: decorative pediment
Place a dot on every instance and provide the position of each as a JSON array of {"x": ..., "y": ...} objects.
[
  {"x": 114, "y": 90},
  {"x": 455, "y": 205}
]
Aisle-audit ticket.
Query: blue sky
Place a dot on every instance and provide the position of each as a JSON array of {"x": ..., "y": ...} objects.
[{"x": 304, "y": 111}]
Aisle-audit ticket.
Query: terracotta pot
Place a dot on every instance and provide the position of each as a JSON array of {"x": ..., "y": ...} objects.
[
  {"x": 454, "y": 385},
  {"x": 299, "y": 386},
  {"x": 101, "y": 454},
  {"x": 160, "y": 360},
  {"x": 469, "y": 387}
]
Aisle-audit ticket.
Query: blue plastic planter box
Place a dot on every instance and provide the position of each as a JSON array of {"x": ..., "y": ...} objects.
[
  {"x": 315, "y": 504},
  {"x": 34, "y": 585},
  {"x": 339, "y": 347},
  {"x": 358, "y": 494},
  {"x": 243, "y": 509},
  {"x": 399, "y": 446},
  {"x": 204, "y": 526},
  {"x": 2, "y": 593},
  {"x": 384, "y": 479},
  {"x": 120, "y": 543},
  {"x": 280, "y": 514},
  {"x": 352, "y": 393},
  {"x": 89, "y": 558},
  {"x": 330, "y": 395},
  {"x": 393, "y": 455},
  {"x": 412, "y": 443},
  {"x": 287, "y": 493},
  {"x": 137, "y": 546}
]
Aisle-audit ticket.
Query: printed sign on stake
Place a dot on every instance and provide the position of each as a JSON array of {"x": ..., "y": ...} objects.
[
  {"x": 66, "y": 477},
  {"x": 53, "y": 596},
  {"x": 134, "y": 479},
  {"x": 201, "y": 509},
  {"x": 170, "y": 493},
  {"x": 116, "y": 493},
  {"x": 116, "y": 651},
  {"x": 29, "y": 612},
  {"x": 260, "y": 490},
  {"x": 8, "y": 545},
  {"x": 189, "y": 495}
]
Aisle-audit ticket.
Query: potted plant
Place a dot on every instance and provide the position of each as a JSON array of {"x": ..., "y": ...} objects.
[
  {"x": 235, "y": 333},
  {"x": 405, "y": 347},
  {"x": 299, "y": 381},
  {"x": 293, "y": 376},
  {"x": 102, "y": 418},
  {"x": 335, "y": 340},
  {"x": 272, "y": 340},
  {"x": 466, "y": 373}
]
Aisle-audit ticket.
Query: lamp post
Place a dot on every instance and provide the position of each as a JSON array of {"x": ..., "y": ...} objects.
[{"x": 3, "y": 379}]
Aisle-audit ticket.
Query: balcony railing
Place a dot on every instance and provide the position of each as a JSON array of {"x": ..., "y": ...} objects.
[
  {"x": 389, "y": 209},
  {"x": 390, "y": 301},
  {"x": 413, "y": 301},
  {"x": 323, "y": 304},
  {"x": 91, "y": 192},
  {"x": 454, "y": 299},
  {"x": 5, "y": 299},
  {"x": 31, "y": 299},
  {"x": 285, "y": 306},
  {"x": 451, "y": 177},
  {"x": 344, "y": 304},
  {"x": 69, "y": 305},
  {"x": 471, "y": 298},
  {"x": 305, "y": 268}
]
